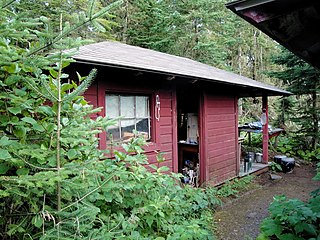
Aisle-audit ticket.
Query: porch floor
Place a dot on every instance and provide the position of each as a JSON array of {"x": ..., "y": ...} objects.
[{"x": 256, "y": 167}]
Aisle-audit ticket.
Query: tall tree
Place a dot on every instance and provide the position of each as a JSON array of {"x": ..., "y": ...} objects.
[{"x": 304, "y": 81}]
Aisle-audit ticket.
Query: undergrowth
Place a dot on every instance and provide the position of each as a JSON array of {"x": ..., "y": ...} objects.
[
  {"x": 234, "y": 187},
  {"x": 293, "y": 219}
]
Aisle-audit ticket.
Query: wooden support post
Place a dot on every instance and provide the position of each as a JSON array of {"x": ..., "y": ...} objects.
[{"x": 265, "y": 138}]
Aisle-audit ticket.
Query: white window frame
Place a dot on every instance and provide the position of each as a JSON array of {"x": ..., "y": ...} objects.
[{"x": 135, "y": 118}]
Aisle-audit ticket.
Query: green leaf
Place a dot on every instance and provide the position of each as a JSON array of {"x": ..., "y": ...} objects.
[
  {"x": 163, "y": 169},
  {"x": 22, "y": 171},
  {"x": 20, "y": 131},
  {"x": 12, "y": 68},
  {"x": 3, "y": 168},
  {"x": 64, "y": 75},
  {"x": 4, "y": 141},
  {"x": 65, "y": 121},
  {"x": 29, "y": 120},
  {"x": 4, "y": 154},
  {"x": 37, "y": 221},
  {"x": 270, "y": 227},
  {"x": 303, "y": 226},
  {"x": 14, "y": 110},
  {"x": 71, "y": 154},
  {"x": 13, "y": 228},
  {"x": 46, "y": 110},
  {"x": 53, "y": 73},
  {"x": 149, "y": 220},
  {"x": 4, "y": 194},
  {"x": 38, "y": 127},
  {"x": 20, "y": 92},
  {"x": 12, "y": 79},
  {"x": 289, "y": 236},
  {"x": 65, "y": 87},
  {"x": 50, "y": 127}
]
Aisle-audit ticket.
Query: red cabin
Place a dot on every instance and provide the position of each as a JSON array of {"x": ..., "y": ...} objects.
[{"x": 185, "y": 109}]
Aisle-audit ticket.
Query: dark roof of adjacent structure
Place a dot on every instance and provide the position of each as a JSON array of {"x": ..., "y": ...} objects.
[
  {"x": 292, "y": 23},
  {"x": 121, "y": 55}
]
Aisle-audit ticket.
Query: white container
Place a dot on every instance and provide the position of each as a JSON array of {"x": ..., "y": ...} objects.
[{"x": 258, "y": 157}]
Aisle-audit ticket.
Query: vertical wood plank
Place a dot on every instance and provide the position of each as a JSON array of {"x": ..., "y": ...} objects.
[
  {"x": 174, "y": 129},
  {"x": 265, "y": 133}
]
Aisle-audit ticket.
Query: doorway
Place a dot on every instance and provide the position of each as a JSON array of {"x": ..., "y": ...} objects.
[{"x": 188, "y": 100}]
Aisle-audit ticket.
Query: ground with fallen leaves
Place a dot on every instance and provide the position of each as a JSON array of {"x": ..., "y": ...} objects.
[{"x": 239, "y": 218}]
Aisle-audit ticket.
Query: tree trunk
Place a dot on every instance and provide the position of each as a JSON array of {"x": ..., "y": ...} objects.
[{"x": 315, "y": 119}]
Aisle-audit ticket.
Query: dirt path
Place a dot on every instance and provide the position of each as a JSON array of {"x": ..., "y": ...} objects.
[{"x": 240, "y": 219}]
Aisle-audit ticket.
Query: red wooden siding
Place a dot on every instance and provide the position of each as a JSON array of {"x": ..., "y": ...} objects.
[
  {"x": 91, "y": 95},
  {"x": 162, "y": 130},
  {"x": 217, "y": 119},
  {"x": 221, "y": 137}
]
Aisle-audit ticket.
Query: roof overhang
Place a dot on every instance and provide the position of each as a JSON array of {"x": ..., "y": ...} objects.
[
  {"x": 119, "y": 55},
  {"x": 292, "y": 23}
]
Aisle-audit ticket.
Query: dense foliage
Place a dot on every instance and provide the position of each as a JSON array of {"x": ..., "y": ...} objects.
[
  {"x": 292, "y": 218},
  {"x": 202, "y": 30},
  {"x": 303, "y": 109},
  {"x": 55, "y": 182},
  {"x": 290, "y": 145}
]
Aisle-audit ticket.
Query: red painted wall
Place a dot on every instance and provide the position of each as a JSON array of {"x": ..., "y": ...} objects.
[
  {"x": 220, "y": 137},
  {"x": 162, "y": 130},
  {"x": 218, "y": 121}
]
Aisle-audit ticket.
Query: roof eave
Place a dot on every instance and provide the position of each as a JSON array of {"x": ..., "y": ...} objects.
[
  {"x": 302, "y": 48},
  {"x": 269, "y": 92}
]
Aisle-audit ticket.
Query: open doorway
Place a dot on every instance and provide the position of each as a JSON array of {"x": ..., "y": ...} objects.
[{"x": 188, "y": 134}]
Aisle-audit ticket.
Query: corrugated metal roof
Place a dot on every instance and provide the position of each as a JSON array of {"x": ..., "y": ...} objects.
[{"x": 123, "y": 55}]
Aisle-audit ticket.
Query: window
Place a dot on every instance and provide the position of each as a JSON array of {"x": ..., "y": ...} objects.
[{"x": 132, "y": 115}]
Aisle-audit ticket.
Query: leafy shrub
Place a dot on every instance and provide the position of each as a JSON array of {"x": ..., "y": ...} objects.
[
  {"x": 275, "y": 167},
  {"x": 293, "y": 147},
  {"x": 55, "y": 182},
  {"x": 256, "y": 141},
  {"x": 232, "y": 188},
  {"x": 293, "y": 219},
  {"x": 108, "y": 199}
]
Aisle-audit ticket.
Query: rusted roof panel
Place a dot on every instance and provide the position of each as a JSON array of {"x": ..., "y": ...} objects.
[{"x": 121, "y": 55}]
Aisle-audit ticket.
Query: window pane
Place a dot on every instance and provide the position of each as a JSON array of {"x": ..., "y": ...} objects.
[
  {"x": 113, "y": 133},
  {"x": 112, "y": 106},
  {"x": 127, "y": 127},
  {"x": 143, "y": 128},
  {"x": 142, "y": 104},
  {"x": 134, "y": 113},
  {"x": 127, "y": 106}
]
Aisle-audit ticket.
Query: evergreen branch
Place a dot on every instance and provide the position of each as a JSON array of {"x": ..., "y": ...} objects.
[
  {"x": 88, "y": 194},
  {"x": 40, "y": 93},
  {"x": 28, "y": 81},
  {"x": 91, "y": 8},
  {"x": 7, "y": 4},
  {"x": 77, "y": 26},
  {"x": 48, "y": 90},
  {"x": 83, "y": 86},
  {"x": 32, "y": 165},
  {"x": 58, "y": 136},
  {"x": 106, "y": 9}
]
